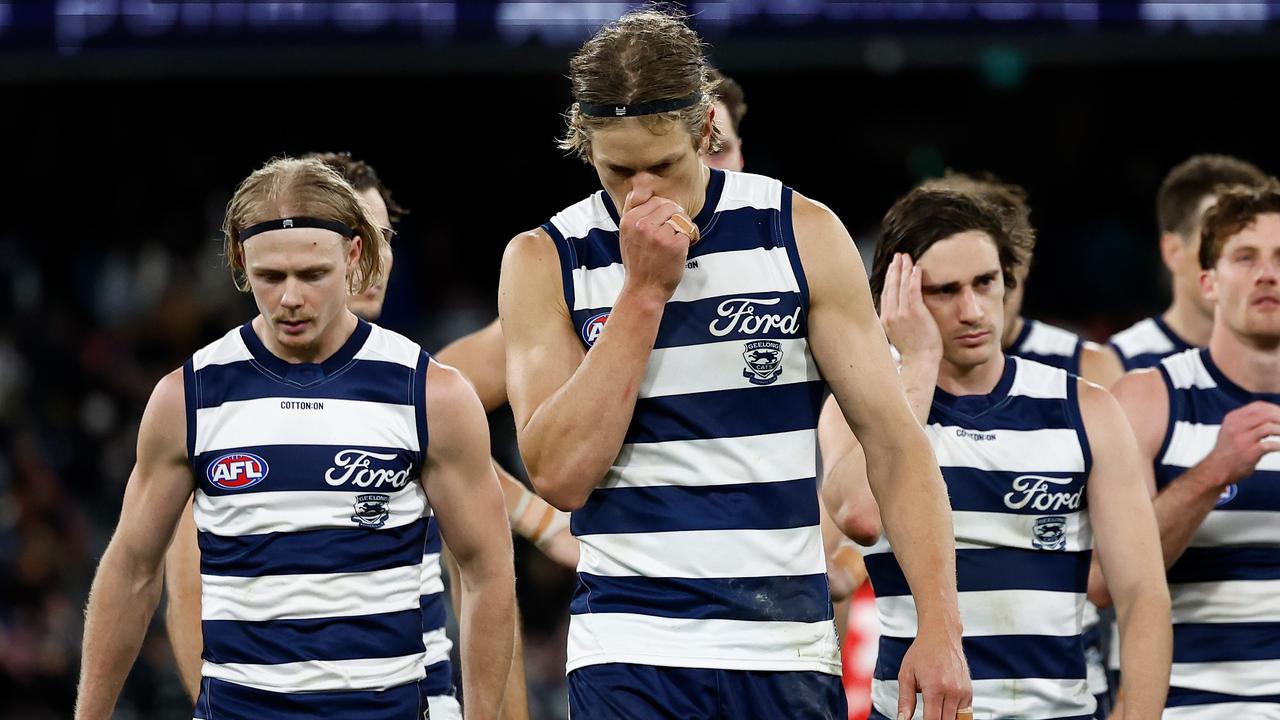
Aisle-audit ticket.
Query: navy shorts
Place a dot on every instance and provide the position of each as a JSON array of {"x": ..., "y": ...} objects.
[{"x": 618, "y": 691}]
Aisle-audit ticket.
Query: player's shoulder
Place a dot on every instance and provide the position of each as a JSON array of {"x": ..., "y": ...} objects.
[
  {"x": 163, "y": 429},
  {"x": 530, "y": 246}
]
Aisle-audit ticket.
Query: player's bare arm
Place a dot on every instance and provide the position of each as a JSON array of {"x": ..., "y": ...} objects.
[
  {"x": 1182, "y": 505},
  {"x": 1127, "y": 544},
  {"x": 559, "y": 393},
  {"x": 464, "y": 494},
  {"x": 182, "y": 604},
  {"x": 850, "y": 348},
  {"x": 126, "y": 588},
  {"x": 1099, "y": 364}
]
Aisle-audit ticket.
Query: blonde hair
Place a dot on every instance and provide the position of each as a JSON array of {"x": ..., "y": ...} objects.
[
  {"x": 645, "y": 56},
  {"x": 301, "y": 187}
]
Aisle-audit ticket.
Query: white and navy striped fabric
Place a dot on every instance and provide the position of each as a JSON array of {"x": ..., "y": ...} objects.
[
  {"x": 1015, "y": 463},
  {"x": 312, "y": 527},
  {"x": 1048, "y": 344},
  {"x": 1061, "y": 348},
  {"x": 1145, "y": 343},
  {"x": 1226, "y": 586},
  {"x": 701, "y": 546}
]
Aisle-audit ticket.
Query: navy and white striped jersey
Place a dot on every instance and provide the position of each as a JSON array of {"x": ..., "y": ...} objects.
[
  {"x": 1015, "y": 463},
  {"x": 1048, "y": 344},
  {"x": 701, "y": 547},
  {"x": 1145, "y": 343},
  {"x": 312, "y": 527},
  {"x": 1226, "y": 586}
]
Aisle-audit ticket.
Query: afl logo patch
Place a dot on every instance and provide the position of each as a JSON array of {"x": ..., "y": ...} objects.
[
  {"x": 592, "y": 328},
  {"x": 1228, "y": 494},
  {"x": 237, "y": 471}
]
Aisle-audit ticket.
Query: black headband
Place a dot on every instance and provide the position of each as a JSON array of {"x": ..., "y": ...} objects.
[
  {"x": 652, "y": 108},
  {"x": 297, "y": 222}
]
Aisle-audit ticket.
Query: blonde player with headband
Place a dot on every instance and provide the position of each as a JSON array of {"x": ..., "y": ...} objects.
[
  {"x": 305, "y": 435},
  {"x": 667, "y": 392}
]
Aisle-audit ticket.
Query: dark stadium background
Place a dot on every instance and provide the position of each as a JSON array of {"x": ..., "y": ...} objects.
[{"x": 125, "y": 125}]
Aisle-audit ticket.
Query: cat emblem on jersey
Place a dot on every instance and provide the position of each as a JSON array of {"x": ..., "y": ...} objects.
[
  {"x": 1228, "y": 494},
  {"x": 371, "y": 510},
  {"x": 1050, "y": 533},
  {"x": 764, "y": 361}
]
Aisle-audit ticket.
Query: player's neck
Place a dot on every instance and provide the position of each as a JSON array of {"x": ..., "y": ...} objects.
[
  {"x": 1188, "y": 321},
  {"x": 328, "y": 343},
  {"x": 1251, "y": 362},
  {"x": 980, "y": 379}
]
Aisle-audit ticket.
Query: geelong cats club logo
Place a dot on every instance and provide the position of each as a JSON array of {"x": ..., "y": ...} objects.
[
  {"x": 592, "y": 328},
  {"x": 764, "y": 361},
  {"x": 237, "y": 471},
  {"x": 1050, "y": 533},
  {"x": 371, "y": 510}
]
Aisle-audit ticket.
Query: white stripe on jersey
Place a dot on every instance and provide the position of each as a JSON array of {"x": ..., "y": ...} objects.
[
  {"x": 1044, "y": 339},
  {"x": 300, "y": 597},
  {"x": 742, "y": 190},
  {"x": 225, "y": 350},
  {"x": 992, "y": 612},
  {"x": 695, "y": 463},
  {"x": 732, "y": 273},
  {"x": 719, "y": 554},
  {"x": 1237, "y": 527},
  {"x": 579, "y": 219},
  {"x": 1227, "y": 601},
  {"x": 1053, "y": 450},
  {"x": 1192, "y": 442},
  {"x": 983, "y": 531},
  {"x": 1143, "y": 337},
  {"x": 438, "y": 646},
  {"x": 432, "y": 578},
  {"x": 1223, "y": 711},
  {"x": 391, "y": 347},
  {"x": 1024, "y": 698},
  {"x": 262, "y": 421},
  {"x": 1187, "y": 371},
  {"x": 701, "y": 368},
  {"x": 1240, "y": 677},
  {"x": 1035, "y": 380},
  {"x": 320, "y": 675},
  {"x": 672, "y": 642},
  {"x": 256, "y": 513}
]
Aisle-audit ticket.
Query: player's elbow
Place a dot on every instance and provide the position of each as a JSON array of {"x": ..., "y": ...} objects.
[
  {"x": 558, "y": 490},
  {"x": 862, "y": 525}
]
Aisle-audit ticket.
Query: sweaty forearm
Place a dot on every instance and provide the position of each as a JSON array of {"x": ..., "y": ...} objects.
[
  {"x": 487, "y": 635},
  {"x": 1146, "y": 644},
  {"x": 919, "y": 377},
  {"x": 916, "y": 515},
  {"x": 1182, "y": 506},
  {"x": 121, "y": 603},
  {"x": 573, "y": 438}
]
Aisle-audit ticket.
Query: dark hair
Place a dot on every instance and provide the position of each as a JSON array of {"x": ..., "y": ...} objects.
[
  {"x": 1178, "y": 201},
  {"x": 729, "y": 92},
  {"x": 1010, "y": 199},
  {"x": 1238, "y": 206},
  {"x": 927, "y": 216},
  {"x": 362, "y": 177}
]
